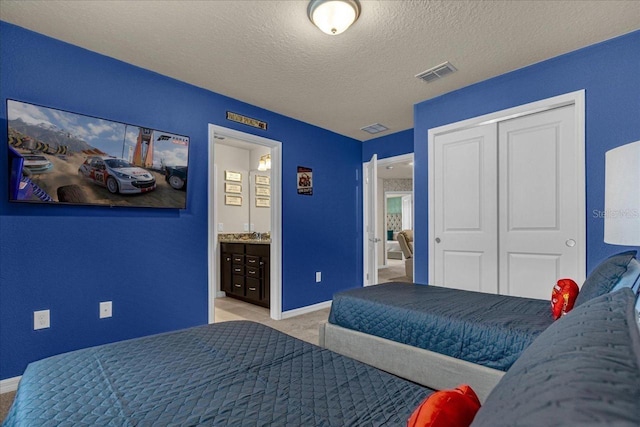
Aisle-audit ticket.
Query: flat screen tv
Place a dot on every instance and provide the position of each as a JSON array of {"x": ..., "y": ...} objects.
[{"x": 67, "y": 158}]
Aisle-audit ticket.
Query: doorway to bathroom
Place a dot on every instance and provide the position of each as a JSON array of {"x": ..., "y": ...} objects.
[{"x": 244, "y": 209}]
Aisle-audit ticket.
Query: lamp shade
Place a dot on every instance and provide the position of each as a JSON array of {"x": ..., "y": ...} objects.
[
  {"x": 333, "y": 16},
  {"x": 622, "y": 195}
]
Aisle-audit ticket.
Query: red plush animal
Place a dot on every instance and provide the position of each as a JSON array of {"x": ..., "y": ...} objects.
[{"x": 563, "y": 297}]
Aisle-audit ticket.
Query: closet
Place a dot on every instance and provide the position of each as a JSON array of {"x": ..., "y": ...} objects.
[{"x": 508, "y": 197}]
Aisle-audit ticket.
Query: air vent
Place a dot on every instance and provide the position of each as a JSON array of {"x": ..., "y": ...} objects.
[
  {"x": 374, "y": 128},
  {"x": 219, "y": 137},
  {"x": 437, "y": 72}
]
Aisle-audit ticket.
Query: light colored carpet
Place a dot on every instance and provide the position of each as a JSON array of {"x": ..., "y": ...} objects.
[
  {"x": 393, "y": 272},
  {"x": 304, "y": 327}
]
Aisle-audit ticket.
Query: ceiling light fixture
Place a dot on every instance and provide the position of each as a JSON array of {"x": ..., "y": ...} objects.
[{"x": 333, "y": 16}]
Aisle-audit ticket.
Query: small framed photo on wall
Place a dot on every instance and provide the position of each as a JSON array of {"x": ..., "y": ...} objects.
[
  {"x": 232, "y": 176},
  {"x": 263, "y": 202},
  {"x": 233, "y": 200},
  {"x": 263, "y": 191},
  {"x": 232, "y": 188}
]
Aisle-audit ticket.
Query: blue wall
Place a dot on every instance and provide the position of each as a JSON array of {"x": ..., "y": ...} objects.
[
  {"x": 151, "y": 263},
  {"x": 386, "y": 146},
  {"x": 610, "y": 74}
]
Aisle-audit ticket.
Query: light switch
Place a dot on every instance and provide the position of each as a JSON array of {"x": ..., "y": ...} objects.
[{"x": 41, "y": 319}]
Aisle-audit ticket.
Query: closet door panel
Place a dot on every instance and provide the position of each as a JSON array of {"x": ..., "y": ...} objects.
[
  {"x": 538, "y": 188},
  {"x": 465, "y": 203}
]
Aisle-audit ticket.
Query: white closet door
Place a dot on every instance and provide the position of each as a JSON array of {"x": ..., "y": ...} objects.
[
  {"x": 465, "y": 203},
  {"x": 538, "y": 196}
]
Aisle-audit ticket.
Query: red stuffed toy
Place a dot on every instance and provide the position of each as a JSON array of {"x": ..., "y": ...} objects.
[{"x": 563, "y": 297}]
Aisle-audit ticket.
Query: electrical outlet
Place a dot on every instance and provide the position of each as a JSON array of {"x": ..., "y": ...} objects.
[
  {"x": 220, "y": 226},
  {"x": 245, "y": 227},
  {"x": 41, "y": 319},
  {"x": 318, "y": 276},
  {"x": 105, "y": 309}
]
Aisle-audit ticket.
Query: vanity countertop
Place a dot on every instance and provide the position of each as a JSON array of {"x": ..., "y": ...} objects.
[{"x": 244, "y": 238}]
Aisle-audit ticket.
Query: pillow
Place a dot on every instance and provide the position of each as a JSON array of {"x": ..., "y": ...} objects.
[
  {"x": 446, "y": 408},
  {"x": 563, "y": 297},
  {"x": 584, "y": 369},
  {"x": 605, "y": 276},
  {"x": 631, "y": 278}
]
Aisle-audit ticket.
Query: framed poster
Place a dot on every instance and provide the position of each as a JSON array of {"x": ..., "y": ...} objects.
[
  {"x": 305, "y": 181},
  {"x": 232, "y": 200},
  {"x": 262, "y": 180},
  {"x": 232, "y": 188},
  {"x": 263, "y": 203},
  {"x": 232, "y": 176},
  {"x": 263, "y": 191}
]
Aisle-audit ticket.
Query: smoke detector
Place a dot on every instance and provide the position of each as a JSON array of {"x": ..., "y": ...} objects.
[{"x": 437, "y": 72}]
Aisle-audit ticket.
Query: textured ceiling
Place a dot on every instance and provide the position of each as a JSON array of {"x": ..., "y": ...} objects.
[{"x": 268, "y": 53}]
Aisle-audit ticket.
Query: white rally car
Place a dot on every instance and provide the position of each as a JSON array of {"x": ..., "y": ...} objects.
[{"x": 118, "y": 175}]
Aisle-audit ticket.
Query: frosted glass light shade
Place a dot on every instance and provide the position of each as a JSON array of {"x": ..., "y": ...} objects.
[
  {"x": 333, "y": 16},
  {"x": 622, "y": 195}
]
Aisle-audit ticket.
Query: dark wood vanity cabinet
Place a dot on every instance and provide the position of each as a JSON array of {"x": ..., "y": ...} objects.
[{"x": 245, "y": 272}]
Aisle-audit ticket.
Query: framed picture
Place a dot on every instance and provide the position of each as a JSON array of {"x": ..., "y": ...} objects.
[
  {"x": 232, "y": 200},
  {"x": 263, "y": 203},
  {"x": 232, "y": 188},
  {"x": 232, "y": 176},
  {"x": 262, "y": 180},
  {"x": 263, "y": 191}
]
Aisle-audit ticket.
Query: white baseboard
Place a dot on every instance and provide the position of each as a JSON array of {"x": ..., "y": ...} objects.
[
  {"x": 220, "y": 294},
  {"x": 305, "y": 310},
  {"x": 10, "y": 384}
]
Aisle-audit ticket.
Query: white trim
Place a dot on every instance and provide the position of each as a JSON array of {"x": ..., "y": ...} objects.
[
  {"x": 304, "y": 310},
  {"x": 577, "y": 99},
  {"x": 276, "y": 218},
  {"x": 409, "y": 157},
  {"x": 9, "y": 385}
]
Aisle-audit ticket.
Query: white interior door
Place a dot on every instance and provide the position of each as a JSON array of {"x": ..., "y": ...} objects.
[
  {"x": 371, "y": 221},
  {"x": 407, "y": 212},
  {"x": 539, "y": 202},
  {"x": 465, "y": 205}
]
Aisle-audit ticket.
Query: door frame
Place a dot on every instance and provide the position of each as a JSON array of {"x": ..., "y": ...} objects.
[
  {"x": 409, "y": 157},
  {"x": 577, "y": 99},
  {"x": 275, "y": 259}
]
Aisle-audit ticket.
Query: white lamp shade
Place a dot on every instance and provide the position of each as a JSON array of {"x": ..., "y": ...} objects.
[
  {"x": 333, "y": 16},
  {"x": 622, "y": 195}
]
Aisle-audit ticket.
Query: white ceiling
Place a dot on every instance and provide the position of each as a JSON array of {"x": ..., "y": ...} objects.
[{"x": 268, "y": 53}]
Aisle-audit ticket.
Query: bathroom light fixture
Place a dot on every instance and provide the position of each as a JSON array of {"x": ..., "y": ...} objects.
[
  {"x": 333, "y": 16},
  {"x": 264, "y": 163}
]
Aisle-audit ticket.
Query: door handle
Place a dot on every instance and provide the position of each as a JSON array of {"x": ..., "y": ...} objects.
[
  {"x": 570, "y": 243},
  {"x": 438, "y": 240},
  {"x": 375, "y": 240}
]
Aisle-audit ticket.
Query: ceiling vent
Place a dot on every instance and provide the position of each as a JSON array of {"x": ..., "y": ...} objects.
[
  {"x": 437, "y": 72},
  {"x": 374, "y": 128}
]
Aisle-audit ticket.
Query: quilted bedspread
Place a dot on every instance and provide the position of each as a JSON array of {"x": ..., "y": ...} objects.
[
  {"x": 233, "y": 373},
  {"x": 487, "y": 329}
]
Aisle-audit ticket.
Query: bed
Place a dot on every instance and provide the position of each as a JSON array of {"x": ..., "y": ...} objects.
[
  {"x": 231, "y": 373},
  {"x": 446, "y": 321},
  {"x": 408, "y": 329},
  {"x": 413, "y": 328}
]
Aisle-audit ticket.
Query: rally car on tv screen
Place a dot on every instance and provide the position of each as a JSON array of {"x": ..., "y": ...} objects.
[{"x": 117, "y": 175}]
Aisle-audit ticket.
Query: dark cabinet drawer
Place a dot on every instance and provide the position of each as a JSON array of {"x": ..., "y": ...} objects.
[
  {"x": 238, "y": 259},
  {"x": 252, "y": 287},
  {"x": 238, "y": 285},
  {"x": 253, "y": 272},
  {"x": 238, "y": 269},
  {"x": 252, "y": 261}
]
